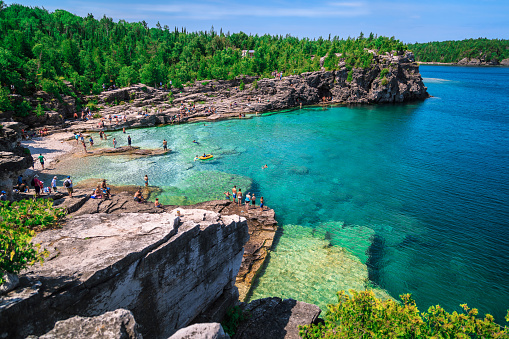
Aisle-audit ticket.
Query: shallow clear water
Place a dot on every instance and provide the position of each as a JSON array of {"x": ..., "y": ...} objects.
[{"x": 417, "y": 192}]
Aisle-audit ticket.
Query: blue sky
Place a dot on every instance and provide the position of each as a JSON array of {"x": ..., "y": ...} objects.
[{"x": 408, "y": 21}]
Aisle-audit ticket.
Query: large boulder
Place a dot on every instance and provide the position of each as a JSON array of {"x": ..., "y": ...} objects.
[
  {"x": 118, "y": 324},
  {"x": 202, "y": 331}
]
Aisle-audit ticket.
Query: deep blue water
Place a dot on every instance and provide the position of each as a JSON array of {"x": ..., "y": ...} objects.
[{"x": 429, "y": 178}]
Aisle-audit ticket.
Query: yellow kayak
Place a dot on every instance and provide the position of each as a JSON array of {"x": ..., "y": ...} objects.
[{"x": 206, "y": 157}]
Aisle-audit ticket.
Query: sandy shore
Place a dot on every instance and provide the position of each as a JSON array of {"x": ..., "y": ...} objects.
[{"x": 53, "y": 147}]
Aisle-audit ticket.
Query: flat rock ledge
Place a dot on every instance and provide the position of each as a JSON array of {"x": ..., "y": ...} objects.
[{"x": 164, "y": 268}]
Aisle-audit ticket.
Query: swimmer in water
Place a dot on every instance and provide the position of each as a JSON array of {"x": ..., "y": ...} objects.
[
  {"x": 196, "y": 158},
  {"x": 263, "y": 167}
]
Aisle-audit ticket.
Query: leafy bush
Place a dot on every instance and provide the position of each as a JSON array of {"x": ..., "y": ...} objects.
[
  {"x": 255, "y": 84},
  {"x": 234, "y": 316},
  {"x": 18, "y": 222},
  {"x": 385, "y": 81},
  {"x": 384, "y": 72},
  {"x": 362, "y": 315},
  {"x": 242, "y": 85},
  {"x": 92, "y": 106},
  {"x": 349, "y": 78}
]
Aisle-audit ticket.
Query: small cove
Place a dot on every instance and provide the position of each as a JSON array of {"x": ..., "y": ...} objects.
[{"x": 416, "y": 194}]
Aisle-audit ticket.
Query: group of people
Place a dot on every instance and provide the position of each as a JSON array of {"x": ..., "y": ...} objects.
[
  {"x": 102, "y": 191},
  {"x": 246, "y": 200},
  {"x": 38, "y": 185}
]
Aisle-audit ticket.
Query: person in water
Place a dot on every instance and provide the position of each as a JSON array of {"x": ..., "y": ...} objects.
[
  {"x": 195, "y": 142},
  {"x": 227, "y": 194},
  {"x": 263, "y": 167},
  {"x": 196, "y": 158}
]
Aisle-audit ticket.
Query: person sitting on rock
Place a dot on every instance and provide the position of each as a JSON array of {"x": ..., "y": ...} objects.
[
  {"x": 138, "y": 197},
  {"x": 157, "y": 203},
  {"x": 97, "y": 194}
]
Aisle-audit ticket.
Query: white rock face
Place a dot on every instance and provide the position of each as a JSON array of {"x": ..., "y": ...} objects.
[{"x": 164, "y": 268}]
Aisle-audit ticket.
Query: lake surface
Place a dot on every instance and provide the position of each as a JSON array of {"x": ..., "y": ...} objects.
[{"x": 417, "y": 193}]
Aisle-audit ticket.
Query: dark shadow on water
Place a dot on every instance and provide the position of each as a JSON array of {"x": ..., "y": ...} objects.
[{"x": 375, "y": 257}]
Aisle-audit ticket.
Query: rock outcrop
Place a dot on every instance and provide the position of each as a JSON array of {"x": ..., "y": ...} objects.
[
  {"x": 164, "y": 268},
  {"x": 14, "y": 158},
  {"x": 389, "y": 79},
  {"x": 276, "y": 318}
]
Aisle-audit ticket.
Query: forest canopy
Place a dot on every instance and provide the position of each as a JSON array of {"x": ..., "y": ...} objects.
[
  {"x": 454, "y": 51},
  {"x": 39, "y": 50}
]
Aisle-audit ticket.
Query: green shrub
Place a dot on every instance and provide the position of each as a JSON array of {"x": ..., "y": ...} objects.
[
  {"x": 242, "y": 86},
  {"x": 39, "y": 111},
  {"x": 205, "y": 83},
  {"x": 385, "y": 82},
  {"x": 384, "y": 72},
  {"x": 349, "y": 78},
  {"x": 18, "y": 222},
  {"x": 92, "y": 106},
  {"x": 97, "y": 116},
  {"x": 362, "y": 315},
  {"x": 255, "y": 84},
  {"x": 234, "y": 316}
]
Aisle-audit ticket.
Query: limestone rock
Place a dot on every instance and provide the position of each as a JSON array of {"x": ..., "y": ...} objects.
[
  {"x": 202, "y": 331},
  {"x": 276, "y": 319},
  {"x": 118, "y": 324},
  {"x": 166, "y": 269}
]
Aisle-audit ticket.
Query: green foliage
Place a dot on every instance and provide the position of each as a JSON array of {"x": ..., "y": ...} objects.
[
  {"x": 242, "y": 85},
  {"x": 454, "y": 51},
  {"x": 92, "y": 106},
  {"x": 255, "y": 84},
  {"x": 362, "y": 315},
  {"x": 40, "y": 49},
  {"x": 39, "y": 111},
  {"x": 349, "y": 78},
  {"x": 385, "y": 81},
  {"x": 384, "y": 72},
  {"x": 234, "y": 316},
  {"x": 17, "y": 224},
  {"x": 5, "y": 102}
]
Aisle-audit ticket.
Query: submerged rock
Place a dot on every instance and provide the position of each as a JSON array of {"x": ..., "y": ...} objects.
[{"x": 307, "y": 267}]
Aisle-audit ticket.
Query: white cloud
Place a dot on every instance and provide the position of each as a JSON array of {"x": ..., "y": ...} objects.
[{"x": 200, "y": 11}]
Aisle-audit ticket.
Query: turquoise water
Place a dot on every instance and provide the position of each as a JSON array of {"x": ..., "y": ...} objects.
[{"x": 417, "y": 192}]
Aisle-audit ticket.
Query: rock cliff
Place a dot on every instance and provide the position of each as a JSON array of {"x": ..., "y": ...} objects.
[
  {"x": 14, "y": 158},
  {"x": 164, "y": 268}
]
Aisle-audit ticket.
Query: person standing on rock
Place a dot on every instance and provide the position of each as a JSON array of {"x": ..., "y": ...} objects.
[
  {"x": 239, "y": 197},
  {"x": 68, "y": 186},
  {"x": 146, "y": 180},
  {"x": 253, "y": 200},
  {"x": 38, "y": 185},
  {"x": 54, "y": 184},
  {"x": 41, "y": 159},
  {"x": 129, "y": 140},
  {"x": 248, "y": 200},
  {"x": 234, "y": 193},
  {"x": 114, "y": 143},
  {"x": 261, "y": 204},
  {"x": 165, "y": 145}
]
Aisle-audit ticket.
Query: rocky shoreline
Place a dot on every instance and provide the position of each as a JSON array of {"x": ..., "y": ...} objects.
[{"x": 390, "y": 79}]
